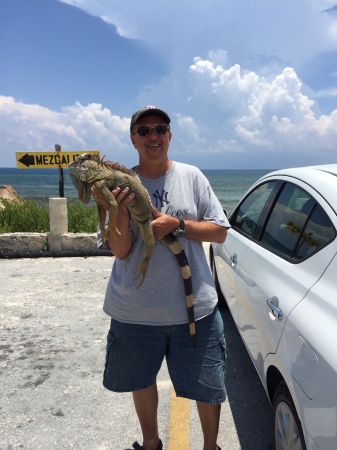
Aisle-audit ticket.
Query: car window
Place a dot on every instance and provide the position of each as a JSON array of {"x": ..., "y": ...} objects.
[
  {"x": 297, "y": 227},
  {"x": 318, "y": 232},
  {"x": 245, "y": 219}
]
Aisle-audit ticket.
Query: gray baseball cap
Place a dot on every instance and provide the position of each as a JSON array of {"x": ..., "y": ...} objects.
[{"x": 148, "y": 110}]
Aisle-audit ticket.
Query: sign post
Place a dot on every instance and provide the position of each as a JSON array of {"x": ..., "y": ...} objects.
[{"x": 61, "y": 178}]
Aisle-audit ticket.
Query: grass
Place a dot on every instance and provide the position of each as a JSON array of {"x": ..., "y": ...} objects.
[{"x": 32, "y": 216}]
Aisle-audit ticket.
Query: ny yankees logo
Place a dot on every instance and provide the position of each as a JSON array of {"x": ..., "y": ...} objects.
[{"x": 161, "y": 199}]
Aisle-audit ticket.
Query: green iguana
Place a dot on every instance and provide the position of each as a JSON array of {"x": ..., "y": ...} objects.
[{"x": 87, "y": 171}]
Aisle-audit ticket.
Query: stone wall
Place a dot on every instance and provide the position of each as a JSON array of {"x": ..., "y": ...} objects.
[
  {"x": 58, "y": 242},
  {"x": 34, "y": 245}
]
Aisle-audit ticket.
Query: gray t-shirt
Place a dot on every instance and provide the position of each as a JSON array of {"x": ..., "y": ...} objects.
[{"x": 183, "y": 192}]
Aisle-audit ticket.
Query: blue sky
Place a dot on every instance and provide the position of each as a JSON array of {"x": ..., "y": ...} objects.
[{"x": 248, "y": 84}]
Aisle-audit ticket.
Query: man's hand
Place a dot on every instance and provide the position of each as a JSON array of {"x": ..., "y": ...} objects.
[
  {"x": 121, "y": 196},
  {"x": 163, "y": 224}
]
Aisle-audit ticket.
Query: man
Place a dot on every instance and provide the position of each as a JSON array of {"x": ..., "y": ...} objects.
[{"x": 150, "y": 323}]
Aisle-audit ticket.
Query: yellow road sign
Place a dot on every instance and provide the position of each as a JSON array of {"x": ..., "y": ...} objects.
[{"x": 48, "y": 160}]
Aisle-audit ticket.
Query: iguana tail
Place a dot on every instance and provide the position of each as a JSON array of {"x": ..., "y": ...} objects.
[{"x": 175, "y": 247}]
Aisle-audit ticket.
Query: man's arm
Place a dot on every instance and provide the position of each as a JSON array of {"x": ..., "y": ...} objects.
[{"x": 201, "y": 231}]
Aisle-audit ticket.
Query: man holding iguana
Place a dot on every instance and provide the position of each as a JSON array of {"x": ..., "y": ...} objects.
[{"x": 150, "y": 323}]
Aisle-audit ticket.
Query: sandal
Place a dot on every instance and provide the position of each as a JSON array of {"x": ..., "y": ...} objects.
[{"x": 136, "y": 446}]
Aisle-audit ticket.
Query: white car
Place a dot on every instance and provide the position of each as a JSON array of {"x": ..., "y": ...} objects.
[{"x": 277, "y": 273}]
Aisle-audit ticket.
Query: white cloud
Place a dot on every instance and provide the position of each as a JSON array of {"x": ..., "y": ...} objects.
[
  {"x": 265, "y": 112},
  {"x": 322, "y": 5},
  {"x": 26, "y": 127},
  {"x": 232, "y": 85},
  {"x": 329, "y": 92},
  {"x": 231, "y": 112},
  {"x": 40, "y": 124},
  {"x": 245, "y": 29},
  {"x": 188, "y": 126}
]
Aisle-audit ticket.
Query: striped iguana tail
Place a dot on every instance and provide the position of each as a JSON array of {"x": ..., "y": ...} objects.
[{"x": 175, "y": 247}]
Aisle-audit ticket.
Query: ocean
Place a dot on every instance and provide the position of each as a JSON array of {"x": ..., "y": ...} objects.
[{"x": 228, "y": 185}]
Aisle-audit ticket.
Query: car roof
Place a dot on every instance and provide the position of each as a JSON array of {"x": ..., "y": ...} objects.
[{"x": 322, "y": 178}]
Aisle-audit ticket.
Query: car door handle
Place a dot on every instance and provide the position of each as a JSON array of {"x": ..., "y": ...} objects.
[
  {"x": 234, "y": 260},
  {"x": 275, "y": 310}
]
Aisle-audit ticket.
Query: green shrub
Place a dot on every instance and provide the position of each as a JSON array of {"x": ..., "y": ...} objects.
[
  {"x": 82, "y": 218},
  {"x": 32, "y": 216}
]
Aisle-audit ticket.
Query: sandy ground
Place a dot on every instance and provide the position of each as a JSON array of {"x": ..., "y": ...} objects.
[{"x": 52, "y": 350}]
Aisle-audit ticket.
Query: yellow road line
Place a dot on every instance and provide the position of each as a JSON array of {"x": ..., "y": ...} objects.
[{"x": 179, "y": 428}]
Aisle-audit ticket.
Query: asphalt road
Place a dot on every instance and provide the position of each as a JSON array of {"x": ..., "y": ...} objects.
[{"x": 52, "y": 350}]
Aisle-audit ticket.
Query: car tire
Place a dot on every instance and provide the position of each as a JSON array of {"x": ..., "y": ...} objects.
[
  {"x": 288, "y": 434},
  {"x": 222, "y": 304}
]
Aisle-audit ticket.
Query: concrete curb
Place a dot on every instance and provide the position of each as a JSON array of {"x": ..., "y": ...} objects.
[
  {"x": 57, "y": 243},
  {"x": 37, "y": 245}
]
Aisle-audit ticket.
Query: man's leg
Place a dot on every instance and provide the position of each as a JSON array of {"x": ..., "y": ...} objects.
[
  {"x": 209, "y": 415},
  {"x": 146, "y": 404}
]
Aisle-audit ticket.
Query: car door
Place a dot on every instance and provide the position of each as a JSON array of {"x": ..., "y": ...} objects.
[
  {"x": 238, "y": 239},
  {"x": 226, "y": 267},
  {"x": 283, "y": 261}
]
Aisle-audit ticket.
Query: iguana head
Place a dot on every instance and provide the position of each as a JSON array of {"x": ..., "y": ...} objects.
[{"x": 82, "y": 172}]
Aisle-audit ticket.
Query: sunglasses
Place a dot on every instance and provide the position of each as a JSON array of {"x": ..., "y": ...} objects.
[{"x": 145, "y": 130}]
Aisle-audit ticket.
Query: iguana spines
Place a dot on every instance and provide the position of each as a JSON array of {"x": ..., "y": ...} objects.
[{"x": 89, "y": 171}]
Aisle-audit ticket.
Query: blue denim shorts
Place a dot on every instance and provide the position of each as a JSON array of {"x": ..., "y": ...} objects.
[{"x": 135, "y": 354}]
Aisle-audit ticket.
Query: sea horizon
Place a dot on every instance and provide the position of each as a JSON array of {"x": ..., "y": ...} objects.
[{"x": 229, "y": 185}]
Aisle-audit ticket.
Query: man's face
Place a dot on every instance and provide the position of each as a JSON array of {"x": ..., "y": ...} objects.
[{"x": 153, "y": 146}]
